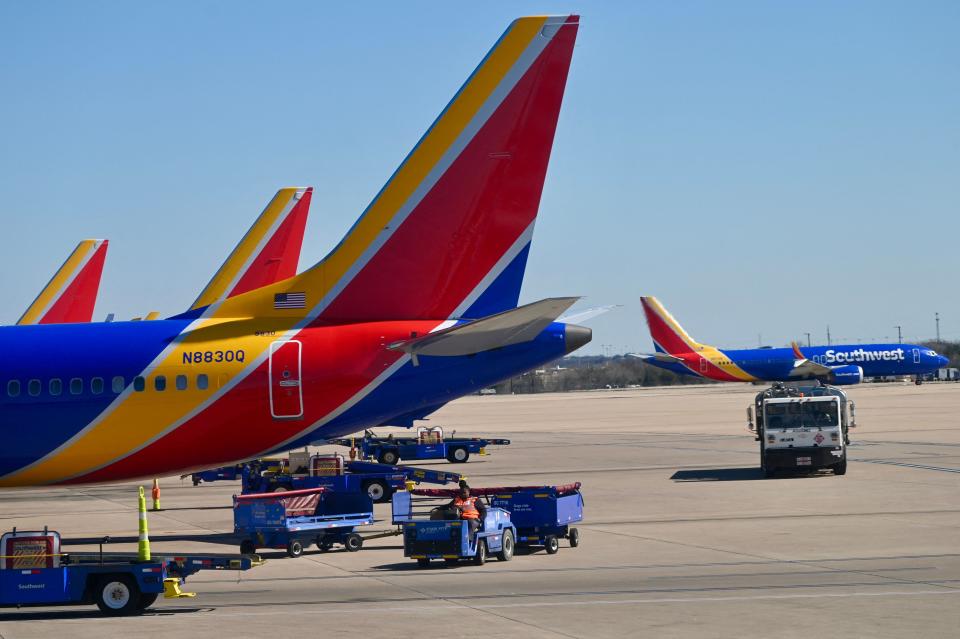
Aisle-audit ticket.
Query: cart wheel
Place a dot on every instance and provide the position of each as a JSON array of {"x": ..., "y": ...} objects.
[
  {"x": 247, "y": 547},
  {"x": 451, "y": 562},
  {"x": 552, "y": 544},
  {"x": 196, "y": 481},
  {"x": 423, "y": 563},
  {"x": 294, "y": 548},
  {"x": 769, "y": 472},
  {"x": 146, "y": 600},
  {"x": 323, "y": 544},
  {"x": 389, "y": 457},
  {"x": 118, "y": 595},
  {"x": 574, "y": 535},
  {"x": 481, "y": 557},
  {"x": 377, "y": 491},
  {"x": 353, "y": 542},
  {"x": 506, "y": 546},
  {"x": 458, "y": 455},
  {"x": 280, "y": 488}
]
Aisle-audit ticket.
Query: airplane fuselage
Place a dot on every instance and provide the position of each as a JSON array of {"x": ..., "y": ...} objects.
[
  {"x": 112, "y": 401},
  {"x": 777, "y": 364}
]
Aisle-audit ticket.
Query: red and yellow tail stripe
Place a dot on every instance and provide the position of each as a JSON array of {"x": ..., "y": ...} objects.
[
  {"x": 70, "y": 296},
  {"x": 701, "y": 359}
]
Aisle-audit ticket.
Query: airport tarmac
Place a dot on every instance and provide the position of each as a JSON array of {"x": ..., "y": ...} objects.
[{"x": 683, "y": 537}]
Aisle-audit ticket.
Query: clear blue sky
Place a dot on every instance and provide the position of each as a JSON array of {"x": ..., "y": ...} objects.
[{"x": 762, "y": 167}]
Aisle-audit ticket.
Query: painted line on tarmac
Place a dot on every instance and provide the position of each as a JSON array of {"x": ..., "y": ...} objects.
[
  {"x": 444, "y": 605},
  {"x": 907, "y": 465}
]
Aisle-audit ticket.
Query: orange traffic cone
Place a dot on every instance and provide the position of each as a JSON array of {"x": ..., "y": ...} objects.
[{"x": 156, "y": 494}]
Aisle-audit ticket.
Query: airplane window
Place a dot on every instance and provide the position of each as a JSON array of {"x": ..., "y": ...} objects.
[
  {"x": 13, "y": 388},
  {"x": 33, "y": 387},
  {"x": 76, "y": 386},
  {"x": 202, "y": 382},
  {"x": 160, "y": 382},
  {"x": 181, "y": 382},
  {"x": 118, "y": 384},
  {"x": 55, "y": 386},
  {"x": 96, "y": 385},
  {"x": 139, "y": 383}
]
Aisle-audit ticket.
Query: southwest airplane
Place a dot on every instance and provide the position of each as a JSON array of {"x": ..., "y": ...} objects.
[
  {"x": 416, "y": 306},
  {"x": 71, "y": 293},
  {"x": 839, "y": 364}
]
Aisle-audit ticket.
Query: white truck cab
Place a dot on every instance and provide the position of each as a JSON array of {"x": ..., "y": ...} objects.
[{"x": 802, "y": 427}]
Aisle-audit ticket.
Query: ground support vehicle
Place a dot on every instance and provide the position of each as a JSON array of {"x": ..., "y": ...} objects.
[
  {"x": 802, "y": 427},
  {"x": 292, "y": 520},
  {"x": 33, "y": 572},
  {"x": 436, "y": 533},
  {"x": 542, "y": 514},
  {"x": 235, "y": 471},
  {"x": 334, "y": 473},
  {"x": 429, "y": 443}
]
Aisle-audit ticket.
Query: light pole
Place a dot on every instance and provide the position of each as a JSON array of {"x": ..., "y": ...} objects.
[
  {"x": 828, "y": 335},
  {"x": 808, "y": 339},
  {"x": 899, "y": 334},
  {"x": 937, "y": 317}
]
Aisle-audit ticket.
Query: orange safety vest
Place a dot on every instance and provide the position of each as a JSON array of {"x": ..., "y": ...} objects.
[{"x": 468, "y": 508}]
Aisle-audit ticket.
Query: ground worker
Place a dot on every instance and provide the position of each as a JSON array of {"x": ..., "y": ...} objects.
[{"x": 472, "y": 509}]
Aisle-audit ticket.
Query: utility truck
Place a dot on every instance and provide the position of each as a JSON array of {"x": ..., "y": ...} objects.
[{"x": 802, "y": 427}]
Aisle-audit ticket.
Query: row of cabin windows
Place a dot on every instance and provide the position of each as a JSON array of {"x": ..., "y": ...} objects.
[{"x": 97, "y": 385}]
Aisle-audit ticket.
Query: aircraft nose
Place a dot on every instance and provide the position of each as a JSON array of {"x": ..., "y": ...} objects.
[
  {"x": 942, "y": 361},
  {"x": 575, "y": 336}
]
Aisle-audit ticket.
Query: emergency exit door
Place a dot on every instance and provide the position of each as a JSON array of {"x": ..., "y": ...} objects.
[{"x": 286, "y": 392}]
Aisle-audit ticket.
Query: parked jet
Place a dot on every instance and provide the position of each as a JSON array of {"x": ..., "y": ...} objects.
[
  {"x": 72, "y": 292},
  {"x": 836, "y": 364},
  {"x": 416, "y": 306}
]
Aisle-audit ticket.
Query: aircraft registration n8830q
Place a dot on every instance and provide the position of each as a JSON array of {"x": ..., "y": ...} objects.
[{"x": 416, "y": 306}]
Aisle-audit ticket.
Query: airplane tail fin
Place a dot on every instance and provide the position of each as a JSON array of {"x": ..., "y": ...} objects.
[
  {"x": 668, "y": 336},
  {"x": 69, "y": 297},
  {"x": 448, "y": 235},
  {"x": 268, "y": 253}
]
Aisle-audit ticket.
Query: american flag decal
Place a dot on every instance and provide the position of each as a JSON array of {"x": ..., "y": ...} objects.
[{"x": 290, "y": 300}]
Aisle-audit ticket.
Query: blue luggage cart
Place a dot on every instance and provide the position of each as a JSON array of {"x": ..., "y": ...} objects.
[
  {"x": 292, "y": 520},
  {"x": 542, "y": 514}
]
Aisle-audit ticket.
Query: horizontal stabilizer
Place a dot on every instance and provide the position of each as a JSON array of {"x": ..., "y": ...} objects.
[
  {"x": 660, "y": 357},
  {"x": 503, "y": 329},
  {"x": 587, "y": 314}
]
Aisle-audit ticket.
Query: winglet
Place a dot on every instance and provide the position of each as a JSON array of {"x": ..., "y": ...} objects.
[
  {"x": 796, "y": 351},
  {"x": 69, "y": 297},
  {"x": 268, "y": 253}
]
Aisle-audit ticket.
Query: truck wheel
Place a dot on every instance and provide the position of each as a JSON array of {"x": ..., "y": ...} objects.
[
  {"x": 574, "y": 535},
  {"x": 377, "y": 490},
  {"x": 841, "y": 468},
  {"x": 247, "y": 547},
  {"x": 481, "y": 557},
  {"x": 353, "y": 542},
  {"x": 423, "y": 563},
  {"x": 118, "y": 595},
  {"x": 506, "y": 546},
  {"x": 147, "y": 599},
  {"x": 389, "y": 457},
  {"x": 294, "y": 548},
  {"x": 552, "y": 544},
  {"x": 458, "y": 455}
]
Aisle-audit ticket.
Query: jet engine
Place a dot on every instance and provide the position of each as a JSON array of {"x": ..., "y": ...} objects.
[{"x": 846, "y": 375}]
